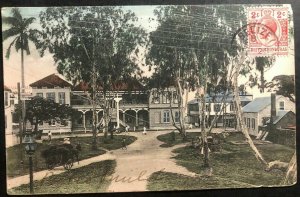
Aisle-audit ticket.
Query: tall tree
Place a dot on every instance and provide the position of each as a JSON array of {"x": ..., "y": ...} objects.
[
  {"x": 19, "y": 29},
  {"x": 192, "y": 51},
  {"x": 283, "y": 85},
  {"x": 96, "y": 45}
]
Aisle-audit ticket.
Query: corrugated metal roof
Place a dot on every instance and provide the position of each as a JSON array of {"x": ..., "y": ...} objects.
[
  {"x": 280, "y": 114},
  {"x": 258, "y": 104},
  {"x": 219, "y": 99}
]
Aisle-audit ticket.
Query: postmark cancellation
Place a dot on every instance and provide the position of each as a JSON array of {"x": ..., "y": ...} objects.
[{"x": 267, "y": 31}]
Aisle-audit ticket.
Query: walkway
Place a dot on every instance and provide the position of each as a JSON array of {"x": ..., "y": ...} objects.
[
  {"x": 18, "y": 181},
  {"x": 140, "y": 160},
  {"x": 134, "y": 165}
]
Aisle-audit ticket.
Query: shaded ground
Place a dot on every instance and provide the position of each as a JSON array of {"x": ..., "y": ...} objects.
[
  {"x": 145, "y": 165},
  {"x": 88, "y": 179},
  {"x": 235, "y": 166},
  {"x": 16, "y": 154}
]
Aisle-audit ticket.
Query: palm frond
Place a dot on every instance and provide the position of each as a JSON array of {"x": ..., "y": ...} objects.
[
  {"x": 16, "y": 13},
  {"x": 12, "y": 21},
  {"x": 10, "y": 33},
  {"x": 28, "y": 21},
  {"x": 9, "y": 48},
  {"x": 18, "y": 44}
]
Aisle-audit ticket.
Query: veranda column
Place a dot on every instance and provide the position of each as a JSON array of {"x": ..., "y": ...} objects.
[
  {"x": 97, "y": 117},
  {"x": 136, "y": 118},
  {"x": 117, "y": 100},
  {"x": 83, "y": 119}
]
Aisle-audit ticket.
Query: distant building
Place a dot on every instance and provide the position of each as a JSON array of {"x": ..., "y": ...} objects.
[
  {"x": 215, "y": 105},
  {"x": 9, "y": 108},
  {"x": 257, "y": 113},
  {"x": 53, "y": 88},
  {"x": 130, "y": 104},
  {"x": 128, "y": 96},
  {"x": 163, "y": 105}
]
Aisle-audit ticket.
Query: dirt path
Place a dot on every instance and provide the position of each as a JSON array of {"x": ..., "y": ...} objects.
[
  {"x": 134, "y": 165},
  {"x": 18, "y": 181},
  {"x": 140, "y": 160}
]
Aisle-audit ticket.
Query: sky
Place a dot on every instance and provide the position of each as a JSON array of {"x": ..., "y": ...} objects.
[{"x": 37, "y": 67}]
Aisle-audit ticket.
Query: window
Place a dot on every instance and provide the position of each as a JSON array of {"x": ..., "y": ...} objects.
[
  {"x": 166, "y": 97},
  {"x": 166, "y": 118},
  {"x": 253, "y": 123},
  {"x": 245, "y": 121},
  {"x": 177, "y": 117},
  {"x": 207, "y": 107},
  {"x": 248, "y": 122},
  {"x": 40, "y": 94},
  {"x": 50, "y": 96},
  {"x": 61, "y": 98},
  {"x": 6, "y": 99},
  {"x": 231, "y": 107},
  {"x": 155, "y": 98},
  {"x": 175, "y": 97},
  {"x": 217, "y": 107},
  {"x": 5, "y": 121},
  {"x": 281, "y": 105}
]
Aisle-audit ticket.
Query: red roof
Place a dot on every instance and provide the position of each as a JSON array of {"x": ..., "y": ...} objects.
[
  {"x": 6, "y": 88},
  {"x": 51, "y": 81},
  {"x": 129, "y": 84}
]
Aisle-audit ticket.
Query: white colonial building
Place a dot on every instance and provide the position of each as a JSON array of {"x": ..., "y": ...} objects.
[
  {"x": 257, "y": 112},
  {"x": 53, "y": 87}
]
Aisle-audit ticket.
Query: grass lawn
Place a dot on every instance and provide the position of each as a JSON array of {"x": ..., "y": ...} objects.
[
  {"x": 92, "y": 178},
  {"x": 235, "y": 166},
  {"x": 169, "y": 141},
  {"x": 15, "y": 154}
]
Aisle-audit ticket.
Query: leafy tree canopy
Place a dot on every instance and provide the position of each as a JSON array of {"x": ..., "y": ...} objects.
[
  {"x": 79, "y": 37},
  {"x": 188, "y": 46},
  {"x": 283, "y": 85},
  {"x": 39, "y": 109}
]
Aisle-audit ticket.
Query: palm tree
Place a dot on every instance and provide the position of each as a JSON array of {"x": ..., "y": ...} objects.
[
  {"x": 261, "y": 64},
  {"x": 21, "y": 33}
]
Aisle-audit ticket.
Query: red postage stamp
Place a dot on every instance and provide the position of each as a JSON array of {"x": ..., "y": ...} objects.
[{"x": 267, "y": 31}]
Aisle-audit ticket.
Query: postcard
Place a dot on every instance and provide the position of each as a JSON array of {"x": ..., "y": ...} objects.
[{"x": 102, "y": 99}]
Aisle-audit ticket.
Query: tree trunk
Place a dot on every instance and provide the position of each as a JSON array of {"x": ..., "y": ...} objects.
[
  {"x": 203, "y": 131},
  {"x": 180, "y": 106},
  {"x": 105, "y": 117},
  {"x": 291, "y": 174},
  {"x": 239, "y": 112}
]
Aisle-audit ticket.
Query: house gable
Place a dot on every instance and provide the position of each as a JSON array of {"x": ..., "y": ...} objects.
[{"x": 51, "y": 81}]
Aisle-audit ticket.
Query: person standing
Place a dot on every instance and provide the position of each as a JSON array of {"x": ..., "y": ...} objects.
[
  {"x": 126, "y": 129},
  {"x": 145, "y": 131},
  {"x": 49, "y": 136}
]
